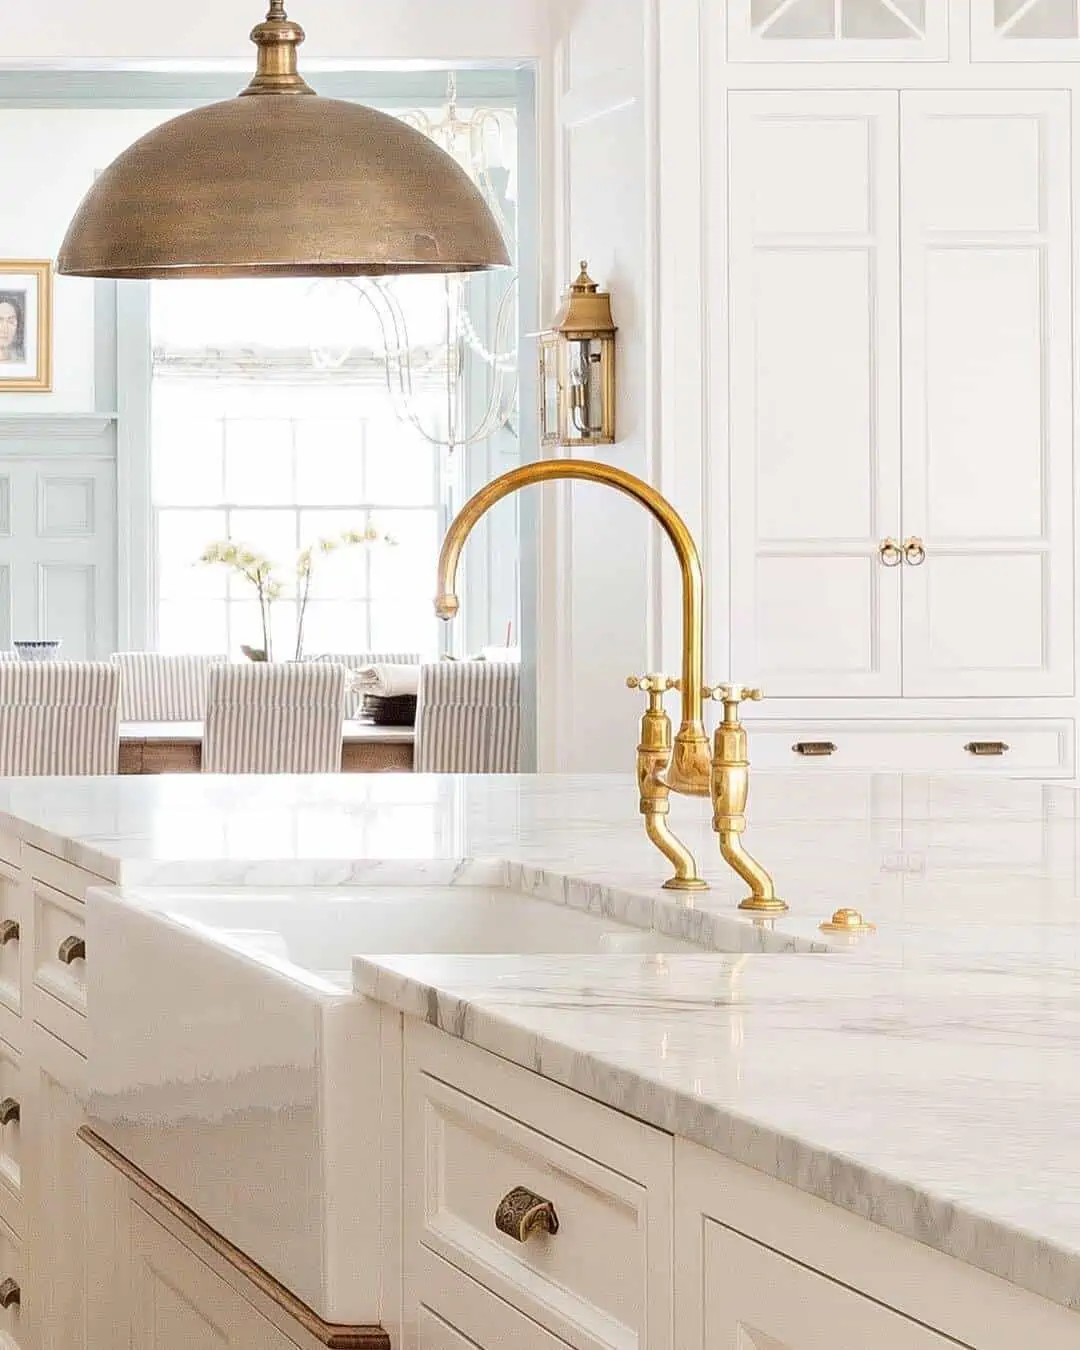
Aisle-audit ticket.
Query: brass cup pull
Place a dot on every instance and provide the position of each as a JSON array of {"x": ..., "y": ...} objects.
[
  {"x": 914, "y": 551},
  {"x": 522, "y": 1212},
  {"x": 10, "y": 1293},
  {"x": 71, "y": 949},
  {"x": 890, "y": 553},
  {"x": 982, "y": 748},
  {"x": 814, "y": 749},
  {"x": 9, "y": 931},
  {"x": 9, "y": 1110}
]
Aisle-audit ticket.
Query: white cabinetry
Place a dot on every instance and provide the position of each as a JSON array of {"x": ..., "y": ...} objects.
[
  {"x": 476, "y": 1129},
  {"x": 179, "y": 1303},
  {"x": 762, "y": 1266},
  {"x": 855, "y": 218},
  {"x": 830, "y": 30}
]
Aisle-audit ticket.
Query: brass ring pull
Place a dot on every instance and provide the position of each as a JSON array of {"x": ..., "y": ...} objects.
[
  {"x": 9, "y": 1110},
  {"x": 71, "y": 949},
  {"x": 814, "y": 749},
  {"x": 986, "y": 748},
  {"x": 9, "y": 931},
  {"x": 10, "y": 1293},
  {"x": 914, "y": 551},
  {"x": 890, "y": 553},
  {"x": 522, "y": 1212}
]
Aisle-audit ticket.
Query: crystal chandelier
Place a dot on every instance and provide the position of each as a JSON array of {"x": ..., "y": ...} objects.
[{"x": 475, "y": 140}]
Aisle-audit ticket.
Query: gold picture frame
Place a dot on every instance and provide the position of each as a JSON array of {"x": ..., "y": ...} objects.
[{"x": 26, "y": 337}]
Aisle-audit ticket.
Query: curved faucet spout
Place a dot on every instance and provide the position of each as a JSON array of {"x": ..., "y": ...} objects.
[{"x": 689, "y": 770}]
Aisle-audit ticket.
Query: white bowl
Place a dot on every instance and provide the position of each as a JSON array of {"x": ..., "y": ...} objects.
[{"x": 38, "y": 651}]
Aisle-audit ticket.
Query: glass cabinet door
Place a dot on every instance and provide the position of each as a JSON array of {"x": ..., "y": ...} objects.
[
  {"x": 838, "y": 30},
  {"x": 1025, "y": 30}
]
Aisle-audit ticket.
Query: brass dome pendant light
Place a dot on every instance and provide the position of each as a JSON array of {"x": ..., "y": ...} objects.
[{"x": 279, "y": 182}]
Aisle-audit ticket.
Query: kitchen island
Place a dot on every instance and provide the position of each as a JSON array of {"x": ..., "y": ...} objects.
[{"x": 915, "y": 1087}]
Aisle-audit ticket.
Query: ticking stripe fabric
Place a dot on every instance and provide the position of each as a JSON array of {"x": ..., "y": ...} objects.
[
  {"x": 354, "y": 698},
  {"x": 157, "y": 688},
  {"x": 59, "y": 717},
  {"x": 468, "y": 718},
  {"x": 270, "y": 718}
]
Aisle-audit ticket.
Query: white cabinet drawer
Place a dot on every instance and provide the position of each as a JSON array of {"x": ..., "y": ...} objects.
[
  {"x": 12, "y": 1095},
  {"x": 60, "y": 965},
  {"x": 1035, "y": 747},
  {"x": 452, "y": 1312},
  {"x": 12, "y": 1291},
  {"x": 15, "y": 951},
  {"x": 59, "y": 874},
  {"x": 601, "y": 1279}
]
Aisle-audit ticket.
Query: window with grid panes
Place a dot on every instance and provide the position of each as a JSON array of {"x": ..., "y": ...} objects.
[{"x": 273, "y": 425}]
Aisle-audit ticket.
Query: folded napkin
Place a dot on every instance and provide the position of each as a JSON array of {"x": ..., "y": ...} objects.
[{"x": 387, "y": 681}]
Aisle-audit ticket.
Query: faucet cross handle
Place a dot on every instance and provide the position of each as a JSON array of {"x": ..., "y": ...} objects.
[
  {"x": 656, "y": 686},
  {"x": 734, "y": 694}
]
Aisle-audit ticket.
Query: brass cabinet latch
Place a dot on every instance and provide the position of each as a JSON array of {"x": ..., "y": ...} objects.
[
  {"x": 986, "y": 747},
  {"x": 812, "y": 749}
]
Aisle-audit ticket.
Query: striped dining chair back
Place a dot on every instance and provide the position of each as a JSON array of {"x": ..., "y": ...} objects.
[
  {"x": 468, "y": 718},
  {"x": 357, "y": 661},
  {"x": 159, "y": 688},
  {"x": 59, "y": 717},
  {"x": 269, "y": 718}
]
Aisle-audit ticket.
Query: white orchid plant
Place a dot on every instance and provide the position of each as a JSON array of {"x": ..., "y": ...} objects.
[{"x": 259, "y": 570}]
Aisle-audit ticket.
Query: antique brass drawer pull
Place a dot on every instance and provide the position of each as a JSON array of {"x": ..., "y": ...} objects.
[
  {"x": 9, "y": 1110},
  {"x": 814, "y": 749},
  {"x": 10, "y": 1293},
  {"x": 522, "y": 1212},
  {"x": 890, "y": 553},
  {"x": 71, "y": 949},
  {"x": 9, "y": 931},
  {"x": 986, "y": 747}
]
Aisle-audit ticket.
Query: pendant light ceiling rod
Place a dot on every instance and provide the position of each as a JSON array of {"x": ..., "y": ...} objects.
[{"x": 280, "y": 182}]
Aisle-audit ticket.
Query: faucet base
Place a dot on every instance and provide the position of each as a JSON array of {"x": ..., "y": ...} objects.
[
  {"x": 686, "y": 884},
  {"x": 764, "y": 904}
]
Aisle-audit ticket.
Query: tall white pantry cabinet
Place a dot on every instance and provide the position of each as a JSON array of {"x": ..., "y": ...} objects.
[{"x": 889, "y": 311}]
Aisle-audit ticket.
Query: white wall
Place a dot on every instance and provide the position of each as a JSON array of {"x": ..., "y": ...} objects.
[
  {"x": 473, "y": 30},
  {"x": 37, "y": 208}
]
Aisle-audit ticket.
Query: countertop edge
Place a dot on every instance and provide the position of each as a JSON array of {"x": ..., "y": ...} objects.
[{"x": 1013, "y": 1254}]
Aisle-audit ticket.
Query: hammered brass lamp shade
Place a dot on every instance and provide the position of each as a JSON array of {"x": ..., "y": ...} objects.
[{"x": 281, "y": 182}]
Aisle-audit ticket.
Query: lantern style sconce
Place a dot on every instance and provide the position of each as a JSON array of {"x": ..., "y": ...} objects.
[{"x": 577, "y": 369}]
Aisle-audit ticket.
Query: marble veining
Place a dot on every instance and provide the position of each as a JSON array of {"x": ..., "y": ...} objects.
[{"x": 925, "y": 1077}]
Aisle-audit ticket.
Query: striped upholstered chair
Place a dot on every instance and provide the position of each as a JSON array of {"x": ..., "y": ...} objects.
[
  {"x": 357, "y": 661},
  {"x": 59, "y": 717},
  {"x": 468, "y": 718},
  {"x": 157, "y": 688},
  {"x": 268, "y": 718}
]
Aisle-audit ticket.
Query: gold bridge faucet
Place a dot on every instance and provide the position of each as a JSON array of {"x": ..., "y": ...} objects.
[{"x": 684, "y": 765}]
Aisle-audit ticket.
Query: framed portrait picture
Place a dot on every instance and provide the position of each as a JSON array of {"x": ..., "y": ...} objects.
[{"x": 25, "y": 326}]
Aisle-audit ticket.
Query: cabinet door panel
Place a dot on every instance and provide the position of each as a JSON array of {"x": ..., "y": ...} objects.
[
  {"x": 987, "y": 393},
  {"x": 815, "y": 401},
  {"x": 178, "y": 1303},
  {"x": 756, "y": 1299},
  {"x": 56, "y": 1193}
]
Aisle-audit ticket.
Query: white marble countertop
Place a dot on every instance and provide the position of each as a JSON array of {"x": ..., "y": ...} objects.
[{"x": 927, "y": 1078}]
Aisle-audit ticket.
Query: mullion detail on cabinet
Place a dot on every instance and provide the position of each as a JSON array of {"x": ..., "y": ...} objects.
[{"x": 837, "y": 30}]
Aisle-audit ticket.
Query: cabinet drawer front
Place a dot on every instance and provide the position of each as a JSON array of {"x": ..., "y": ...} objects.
[
  {"x": 12, "y": 1102},
  {"x": 12, "y": 1290},
  {"x": 15, "y": 944},
  {"x": 1039, "y": 748},
  {"x": 60, "y": 965},
  {"x": 590, "y": 1273},
  {"x": 453, "y": 1312},
  {"x": 60, "y": 875}
]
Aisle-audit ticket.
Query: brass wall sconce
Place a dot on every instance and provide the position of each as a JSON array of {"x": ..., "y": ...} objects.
[{"x": 577, "y": 369}]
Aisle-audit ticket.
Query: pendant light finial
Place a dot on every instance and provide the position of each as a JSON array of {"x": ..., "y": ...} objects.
[{"x": 277, "y": 39}]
